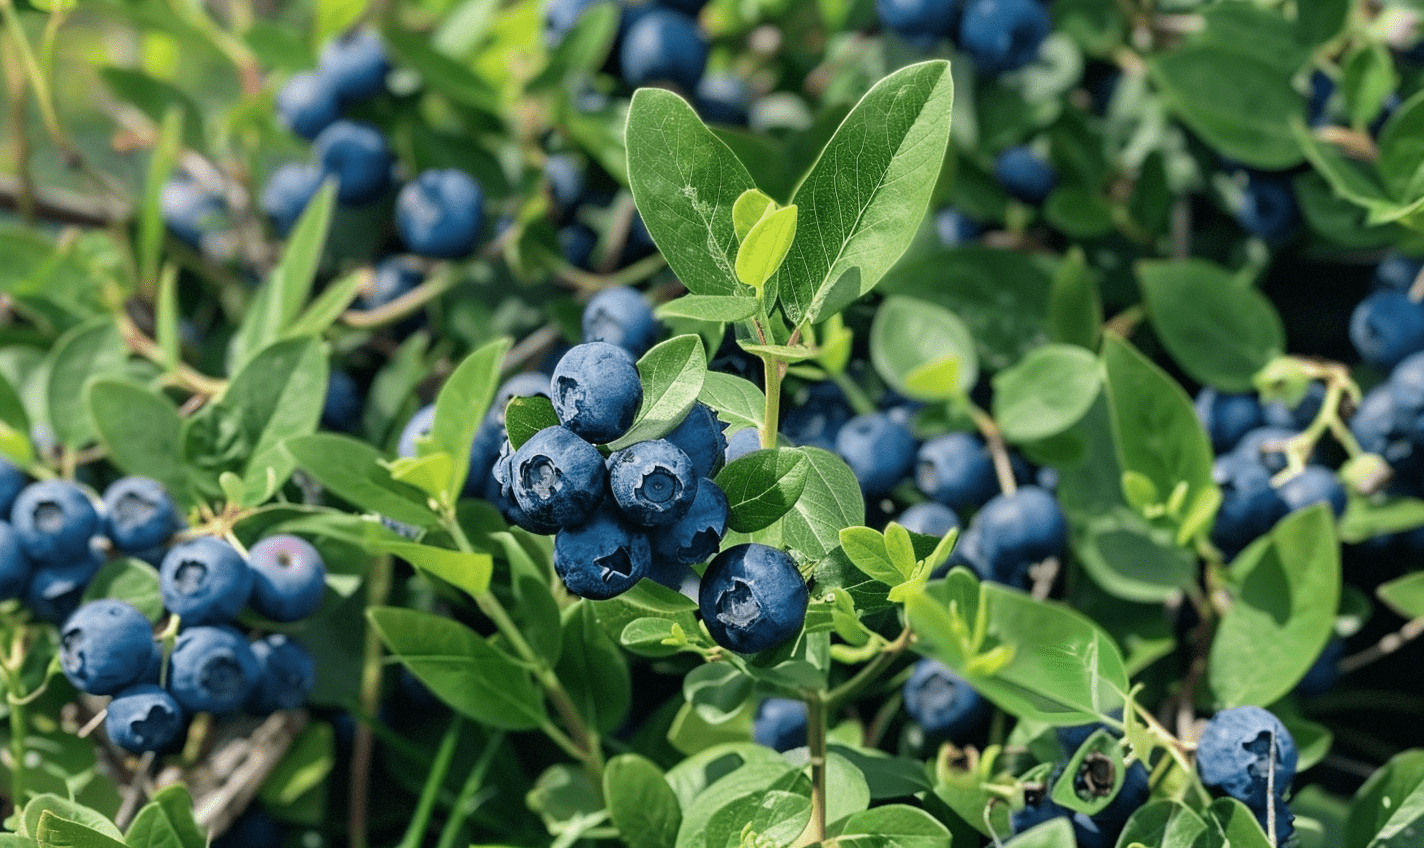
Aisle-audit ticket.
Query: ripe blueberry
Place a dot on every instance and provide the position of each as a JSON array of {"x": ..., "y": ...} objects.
[
  {"x": 287, "y": 193},
  {"x": 557, "y": 478},
  {"x": 287, "y": 675},
  {"x": 356, "y": 154},
  {"x": 1227, "y": 417},
  {"x": 1234, "y": 754},
  {"x": 288, "y": 578},
  {"x": 143, "y": 718},
  {"x": 1019, "y": 530},
  {"x": 619, "y": 316},
  {"x": 955, "y": 228},
  {"x": 1023, "y": 174},
  {"x": 694, "y": 537},
  {"x": 1003, "y": 35},
  {"x": 138, "y": 514},
  {"x": 439, "y": 213},
  {"x": 597, "y": 391},
  {"x": 1314, "y": 484},
  {"x": 213, "y": 670},
  {"x": 602, "y": 557},
  {"x": 190, "y": 210},
  {"x": 780, "y": 724},
  {"x": 1386, "y": 327},
  {"x": 741, "y": 443},
  {"x": 307, "y": 104},
  {"x": 663, "y": 46},
  {"x": 723, "y": 98},
  {"x": 205, "y": 580},
  {"x": 879, "y": 448},
  {"x": 1268, "y": 207},
  {"x": 652, "y": 481},
  {"x": 14, "y": 565},
  {"x": 941, "y": 702},
  {"x": 1249, "y": 504},
  {"x": 105, "y": 646},
  {"x": 354, "y": 65},
  {"x": 753, "y": 598},
  {"x": 54, "y": 520},
  {"x": 921, "y": 20},
  {"x": 929, "y": 518},
  {"x": 12, "y": 480},
  {"x": 956, "y": 470},
  {"x": 341, "y": 408},
  {"x": 700, "y": 437}
]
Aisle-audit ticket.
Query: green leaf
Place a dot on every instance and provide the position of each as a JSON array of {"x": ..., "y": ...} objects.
[
  {"x": 306, "y": 766},
  {"x": 1075, "y": 310},
  {"x": 1128, "y": 557},
  {"x": 908, "y": 333},
  {"x": 641, "y": 804},
  {"x": 334, "y": 16},
  {"x": 474, "y": 678},
  {"x": 352, "y": 470},
  {"x": 470, "y": 572},
  {"x": 55, "y": 832},
  {"x": 1158, "y": 434},
  {"x": 525, "y": 416},
  {"x": 167, "y": 820},
  {"x": 67, "y": 810},
  {"x": 1164, "y": 822},
  {"x": 1046, "y": 393},
  {"x": 1065, "y": 791},
  {"x": 1404, "y": 595},
  {"x": 1286, "y": 592},
  {"x": 1356, "y": 182},
  {"x": 1219, "y": 329},
  {"x": 872, "y": 553},
  {"x": 160, "y": 168},
  {"x": 278, "y": 395},
  {"x": 1255, "y": 32},
  {"x": 706, "y": 307},
  {"x": 1034, "y": 659},
  {"x": 1054, "y": 833},
  {"x": 737, "y": 401},
  {"x": 1238, "y": 104},
  {"x": 737, "y": 793},
  {"x": 14, "y": 426},
  {"x": 1401, "y": 150},
  {"x": 280, "y": 298},
  {"x": 1320, "y": 21},
  {"x": 762, "y": 487},
  {"x": 1238, "y": 824},
  {"x": 1389, "y": 808},
  {"x": 1367, "y": 80},
  {"x": 750, "y": 208},
  {"x": 165, "y": 318},
  {"x": 91, "y": 350},
  {"x": 593, "y": 670},
  {"x": 862, "y": 201},
  {"x": 582, "y": 49},
  {"x": 685, "y": 182},
  {"x": 130, "y": 580},
  {"x": 672, "y": 374},
  {"x": 440, "y": 73},
  {"x": 327, "y": 307},
  {"x": 830, "y": 500},
  {"x": 140, "y": 429},
  {"x": 764, "y": 247},
  {"x": 459, "y": 409}
]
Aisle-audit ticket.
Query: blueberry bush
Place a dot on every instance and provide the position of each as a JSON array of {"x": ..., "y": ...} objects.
[{"x": 688, "y": 424}]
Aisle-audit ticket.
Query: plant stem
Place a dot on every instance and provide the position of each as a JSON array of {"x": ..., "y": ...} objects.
[
  {"x": 869, "y": 672},
  {"x": 439, "y": 767},
  {"x": 998, "y": 450},
  {"x": 18, "y": 732},
  {"x": 816, "y": 721},
  {"x": 378, "y": 589},
  {"x": 1413, "y": 629},
  {"x": 771, "y": 418},
  {"x": 450, "y": 834}
]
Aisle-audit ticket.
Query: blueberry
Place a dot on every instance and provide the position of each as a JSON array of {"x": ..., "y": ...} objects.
[
  {"x": 1071, "y": 737},
  {"x": 753, "y": 598},
  {"x": 724, "y": 98},
  {"x": 956, "y": 470},
  {"x": 1315, "y": 484},
  {"x": 577, "y": 242},
  {"x": 1038, "y": 808},
  {"x": 1317, "y": 108},
  {"x": 288, "y": 578},
  {"x": 780, "y": 724},
  {"x": 418, "y": 426},
  {"x": 1406, "y": 393},
  {"x": 143, "y": 718},
  {"x": 356, "y": 154},
  {"x": 1250, "y": 506},
  {"x": 307, "y": 104},
  {"x": 930, "y": 518},
  {"x": 1234, "y": 754},
  {"x": 286, "y": 677},
  {"x": 941, "y": 702},
  {"x": 12, "y": 481},
  {"x": 354, "y": 65},
  {"x": 694, "y": 537},
  {"x": 1227, "y": 417},
  {"x": 213, "y": 670},
  {"x": 602, "y": 557},
  {"x": 968, "y": 552},
  {"x": 287, "y": 193},
  {"x": 1397, "y": 271},
  {"x": 619, "y": 316},
  {"x": 484, "y": 452},
  {"x": 597, "y": 391},
  {"x": 640, "y": 243},
  {"x": 1023, "y": 174},
  {"x": 817, "y": 422},
  {"x": 341, "y": 408},
  {"x": 918, "y": 19},
  {"x": 14, "y": 565},
  {"x": 1003, "y": 35},
  {"x": 205, "y": 580},
  {"x": 138, "y": 514},
  {"x": 1262, "y": 446},
  {"x": 1324, "y": 672},
  {"x": 955, "y": 228},
  {"x": 105, "y": 646},
  {"x": 653, "y": 482},
  {"x": 879, "y": 449},
  {"x": 499, "y": 491},
  {"x": 1386, "y": 327},
  {"x": 439, "y": 213},
  {"x": 1268, "y": 207},
  {"x": 741, "y": 443},
  {"x": 54, "y": 593},
  {"x": 565, "y": 180},
  {"x": 700, "y": 437},
  {"x": 558, "y": 478},
  {"x": 1373, "y": 426},
  {"x": 663, "y": 46},
  {"x": 1019, "y": 530},
  {"x": 54, "y": 520},
  {"x": 190, "y": 210},
  {"x": 560, "y": 17}
]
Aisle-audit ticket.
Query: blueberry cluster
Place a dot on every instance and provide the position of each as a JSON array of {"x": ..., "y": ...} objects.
[
  {"x": 1094, "y": 779},
  {"x": 1247, "y": 754},
  {"x": 108, "y": 647},
  {"x": 999, "y": 35}
]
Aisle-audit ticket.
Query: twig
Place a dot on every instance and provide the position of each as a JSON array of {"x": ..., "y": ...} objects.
[
  {"x": 1043, "y": 576},
  {"x": 998, "y": 450},
  {"x": 1387, "y": 645}
]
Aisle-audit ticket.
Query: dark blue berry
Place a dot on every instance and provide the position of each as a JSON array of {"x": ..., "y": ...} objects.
[
  {"x": 780, "y": 724},
  {"x": 700, "y": 437},
  {"x": 139, "y": 514},
  {"x": 930, "y": 518},
  {"x": 439, "y": 213},
  {"x": 1386, "y": 327},
  {"x": 205, "y": 580},
  {"x": 1234, "y": 754},
  {"x": 1003, "y": 35},
  {"x": 694, "y": 537},
  {"x": 54, "y": 520},
  {"x": 941, "y": 702},
  {"x": 956, "y": 470},
  {"x": 105, "y": 646},
  {"x": 1018, "y": 530},
  {"x": 354, "y": 65},
  {"x": 1023, "y": 174},
  {"x": 14, "y": 565},
  {"x": 619, "y": 316},
  {"x": 879, "y": 448},
  {"x": 597, "y": 391},
  {"x": 287, "y": 674},
  {"x": 288, "y": 578},
  {"x": 287, "y": 193},
  {"x": 1314, "y": 484},
  {"x": 753, "y": 598},
  {"x": 307, "y": 104},
  {"x": 663, "y": 46},
  {"x": 356, "y": 154},
  {"x": 213, "y": 670},
  {"x": 558, "y": 478},
  {"x": 144, "y": 718},
  {"x": 1227, "y": 417},
  {"x": 602, "y": 557}
]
